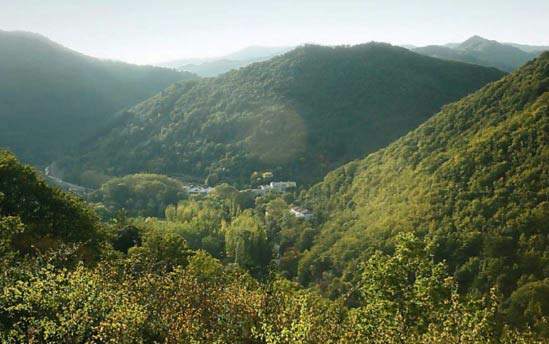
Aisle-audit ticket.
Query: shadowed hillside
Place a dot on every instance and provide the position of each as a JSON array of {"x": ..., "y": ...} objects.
[
  {"x": 298, "y": 115},
  {"x": 52, "y": 97}
]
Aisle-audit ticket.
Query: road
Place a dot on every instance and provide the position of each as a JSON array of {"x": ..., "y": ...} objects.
[{"x": 49, "y": 172}]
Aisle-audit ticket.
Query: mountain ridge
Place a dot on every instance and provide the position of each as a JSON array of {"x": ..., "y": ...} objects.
[
  {"x": 56, "y": 96},
  {"x": 482, "y": 51},
  {"x": 299, "y": 111}
]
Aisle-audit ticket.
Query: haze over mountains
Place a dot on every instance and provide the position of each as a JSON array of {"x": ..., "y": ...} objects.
[
  {"x": 52, "y": 97},
  {"x": 477, "y": 50},
  {"x": 298, "y": 115},
  {"x": 530, "y": 48},
  {"x": 209, "y": 67}
]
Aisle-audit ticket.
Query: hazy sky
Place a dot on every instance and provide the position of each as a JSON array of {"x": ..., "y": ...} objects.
[{"x": 148, "y": 31}]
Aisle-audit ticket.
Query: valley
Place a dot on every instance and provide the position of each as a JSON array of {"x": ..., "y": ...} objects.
[{"x": 343, "y": 192}]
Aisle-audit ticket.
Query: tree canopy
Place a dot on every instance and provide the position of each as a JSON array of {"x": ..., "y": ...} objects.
[
  {"x": 42, "y": 218},
  {"x": 140, "y": 194},
  {"x": 298, "y": 115}
]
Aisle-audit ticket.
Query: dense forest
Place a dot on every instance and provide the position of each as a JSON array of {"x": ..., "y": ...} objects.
[
  {"x": 441, "y": 237},
  {"x": 472, "y": 182},
  {"x": 52, "y": 98},
  {"x": 477, "y": 50},
  {"x": 67, "y": 277},
  {"x": 298, "y": 116},
  {"x": 344, "y": 194}
]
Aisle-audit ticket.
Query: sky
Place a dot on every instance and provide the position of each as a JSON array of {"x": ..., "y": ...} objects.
[{"x": 153, "y": 31}]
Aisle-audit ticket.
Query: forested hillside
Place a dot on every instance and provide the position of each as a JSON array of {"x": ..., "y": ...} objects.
[
  {"x": 67, "y": 278},
  {"x": 298, "y": 115},
  {"x": 473, "y": 181},
  {"x": 484, "y": 52},
  {"x": 40, "y": 218},
  {"x": 51, "y": 97}
]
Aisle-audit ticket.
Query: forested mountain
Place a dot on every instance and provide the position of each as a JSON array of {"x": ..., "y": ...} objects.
[
  {"x": 210, "y": 67},
  {"x": 67, "y": 278},
  {"x": 52, "y": 97},
  {"x": 473, "y": 181},
  {"x": 298, "y": 115},
  {"x": 478, "y": 50}
]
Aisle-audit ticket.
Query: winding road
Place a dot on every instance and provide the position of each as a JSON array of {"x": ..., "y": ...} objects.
[{"x": 49, "y": 172}]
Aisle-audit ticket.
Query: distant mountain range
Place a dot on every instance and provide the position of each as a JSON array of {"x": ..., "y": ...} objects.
[
  {"x": 298, "y": 115},
  {"x": 504, "y": 56},
  {"x": 52, "y": 97},
  {"x": 530, "y": 48},
  {"x": 209, "y": 67}
]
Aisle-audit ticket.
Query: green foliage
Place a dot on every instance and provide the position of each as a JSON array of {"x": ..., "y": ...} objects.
[
  {"x": 416, "y": 243},
  {"x": 246, "y": 242},
  {"x": 293, "y": 315},
  {"x": 153, "y": 296},
  {"x": 199, "y": 222},
  {"x": 126, "y": 238},
  {"x": 53, "y": 98},
  {"x": 48, "y": 216},
  {"x": 407, "y": 285},
  {"x": 141, "y": 194},
  {"x": 10, "y": 226},
  {"x": 202, "y": 221},
  {"x": 290, "y": 236},
  {"x": 473, "y": 180},
  {"x": 162, "y": 291},
  {"x": 161, "y": 249},
  {"x": 409, "y": 298},
  {"x": 298, "y": 115},
  {"x": 528, "y": 306},
  {"x": 203, "y": 303},
  {"x": 81, "y": 306}
]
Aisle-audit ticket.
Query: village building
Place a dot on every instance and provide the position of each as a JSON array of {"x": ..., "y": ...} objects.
[
  {"x": 301, "y": 213},
  {"x": 279, "y": 186},
  {"x": 196, "y": 189}
]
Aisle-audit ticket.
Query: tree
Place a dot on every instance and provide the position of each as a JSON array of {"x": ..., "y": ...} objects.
[
  {"x": 126, "y": 238},
  {"x": 141, "y": 194},
  {"x": 246, "y": 242},
  {"x": 162, "y": 250},
  {"x": 51, "y": 218},
  {"x": 407, "y": 297}
]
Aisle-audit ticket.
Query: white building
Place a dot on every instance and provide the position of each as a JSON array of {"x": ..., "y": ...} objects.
[
  {"x": 283, "y": 185},
  {"x": 279, "y": 186},
  {"x": 195, "y": 189},
  {"x": 301, "y": 213}
]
